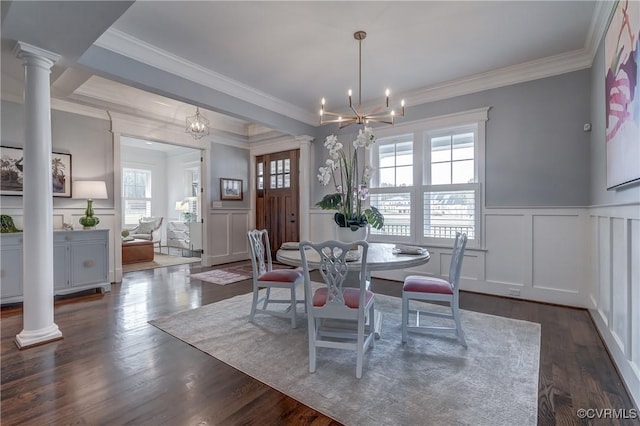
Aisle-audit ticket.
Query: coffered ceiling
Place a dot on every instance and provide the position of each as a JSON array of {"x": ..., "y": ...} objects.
[{"x": 256, "y": 66}]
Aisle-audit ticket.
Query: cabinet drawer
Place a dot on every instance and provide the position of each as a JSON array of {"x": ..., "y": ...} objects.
[{"x": 79, "y": 236}]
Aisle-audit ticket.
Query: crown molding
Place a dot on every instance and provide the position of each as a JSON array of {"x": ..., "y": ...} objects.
[
  {"x": 527, "y": 71},
  {"x": 131, "y": 47},
  {"x": 599, "y": 24}
]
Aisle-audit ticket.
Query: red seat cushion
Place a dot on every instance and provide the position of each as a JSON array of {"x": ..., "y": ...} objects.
[
  {"x": 281, "y": 275},
  {"x": 423, "y": 284},
  {"x": 351, "y": 297}
]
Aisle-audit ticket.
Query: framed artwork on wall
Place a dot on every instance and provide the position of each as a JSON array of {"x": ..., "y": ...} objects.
[
  {"x": 11, "y": 172},
  {"x": 230, "y": 189},
  {"x": 622, "y": 96}
]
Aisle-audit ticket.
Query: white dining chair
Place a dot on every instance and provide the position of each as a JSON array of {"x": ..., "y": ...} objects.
[
  {"x": 265, "y": 278},
  {"x": 337, "y": 315},
  {"x": 418, "y": 288}
]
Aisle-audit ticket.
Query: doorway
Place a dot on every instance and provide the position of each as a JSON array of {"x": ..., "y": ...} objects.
[
  {"x": 277, "y": 196},
  {"x": 162, "y": 183}
]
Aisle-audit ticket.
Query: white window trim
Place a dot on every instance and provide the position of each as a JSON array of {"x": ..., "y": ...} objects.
[{"x": 420, "y": 128}]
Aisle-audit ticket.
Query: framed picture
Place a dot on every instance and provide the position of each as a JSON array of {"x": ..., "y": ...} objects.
[
  {"x": 11, "y": 164},
  {"x": 230, "y": 189},
  {"x": 622, "y": 96}
]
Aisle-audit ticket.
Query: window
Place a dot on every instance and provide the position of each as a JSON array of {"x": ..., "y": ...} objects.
[
  {"x": 280, "y": 174},
  {"x": 450, "y": 187},
  {"x": 136, "y": 194},
  {"x": 427, "y": 182},
  {"x": 394, "y": 165}
]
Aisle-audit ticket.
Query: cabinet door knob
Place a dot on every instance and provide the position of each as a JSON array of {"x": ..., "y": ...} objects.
[
  {"x": 88, "y": 263},
  {"x": 68, "y": 238}
]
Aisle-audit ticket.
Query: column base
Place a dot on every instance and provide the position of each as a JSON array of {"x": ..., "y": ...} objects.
[{"x": 27, "y": 339}]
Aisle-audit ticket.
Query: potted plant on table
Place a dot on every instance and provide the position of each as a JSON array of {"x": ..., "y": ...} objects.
[{"x": 351, "y": 184}]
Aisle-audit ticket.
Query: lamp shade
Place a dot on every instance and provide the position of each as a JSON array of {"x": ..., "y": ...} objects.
[{"x": 90, "y": 189}]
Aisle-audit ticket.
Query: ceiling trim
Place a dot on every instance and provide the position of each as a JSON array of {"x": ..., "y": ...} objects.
[
  {"x": 527, "y": 71},
  {"x": 599, "y": 24},
  {"x": 131, "y": 47}
]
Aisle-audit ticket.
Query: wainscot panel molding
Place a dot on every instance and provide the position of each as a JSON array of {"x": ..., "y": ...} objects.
[
  {"x": 227, "y": 236},
  {"x": 614, "y": 291},
  {"x": 539, "y": 254}
]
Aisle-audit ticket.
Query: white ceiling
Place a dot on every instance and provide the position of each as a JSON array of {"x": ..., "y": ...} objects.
[{"x": 285, "y": 56}]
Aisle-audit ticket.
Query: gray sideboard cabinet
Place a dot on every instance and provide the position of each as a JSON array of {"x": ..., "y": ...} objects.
[{"x": 80, "y": 262}]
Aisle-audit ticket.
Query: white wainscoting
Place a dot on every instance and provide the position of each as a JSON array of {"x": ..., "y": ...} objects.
[
  {"x": 614, "y": 293},
  {"x": 528, "y": 253},
  {"x": 227, "y": 236}
]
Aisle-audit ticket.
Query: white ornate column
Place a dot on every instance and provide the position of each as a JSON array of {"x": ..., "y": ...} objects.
[
  {"x": 38, "y": 325},
  {"x": 305, "y": 185}
]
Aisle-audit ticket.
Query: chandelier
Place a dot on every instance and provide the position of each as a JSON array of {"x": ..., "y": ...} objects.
[
  {"x": 378, "y": 115},
  {"x": 197, "y": 125}
]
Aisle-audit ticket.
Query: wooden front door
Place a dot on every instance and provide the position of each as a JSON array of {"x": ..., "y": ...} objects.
[{"x": 277, "y": 196}]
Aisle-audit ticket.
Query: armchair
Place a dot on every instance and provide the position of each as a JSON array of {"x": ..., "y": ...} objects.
[{"x": 148, "y": 229}]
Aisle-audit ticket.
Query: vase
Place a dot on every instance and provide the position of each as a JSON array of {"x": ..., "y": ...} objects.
[{"x": 347, "y": 235}]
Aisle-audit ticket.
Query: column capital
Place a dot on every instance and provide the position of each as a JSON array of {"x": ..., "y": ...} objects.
[
  {"x": 304, "y": 139},
  {"x": 27, "y": 52}
]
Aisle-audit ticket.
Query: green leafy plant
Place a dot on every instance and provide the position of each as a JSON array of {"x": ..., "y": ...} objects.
[{"x": 351, "y": 183}]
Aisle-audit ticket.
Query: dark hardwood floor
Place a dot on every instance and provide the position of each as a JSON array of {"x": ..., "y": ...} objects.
[{"x": 112, "y": 367}]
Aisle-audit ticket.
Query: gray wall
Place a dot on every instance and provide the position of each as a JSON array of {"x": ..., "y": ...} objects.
[
  {"x": 88, "y": 140},
  {"x": 233, "y": 163},
  {"x": 536, "y": 150},
  {"x": 598, "y": 194}
]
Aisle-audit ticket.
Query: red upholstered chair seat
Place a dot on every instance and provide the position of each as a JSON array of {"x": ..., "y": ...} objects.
[
  {"x": 351, "y": 297},
  {"x": 281, "y": 275},
  {"x": 417, "y": 283}
]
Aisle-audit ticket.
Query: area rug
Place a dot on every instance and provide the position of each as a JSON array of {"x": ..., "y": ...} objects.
[
  {"x": 247, "y": 269},
  {"x": 220, "y": 276},
  {"x": 430, "y": 380},
  {"x": 160, "y": 260}
]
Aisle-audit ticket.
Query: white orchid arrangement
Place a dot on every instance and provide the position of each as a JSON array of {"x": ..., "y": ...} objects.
[{"x": 351, "y": 183}]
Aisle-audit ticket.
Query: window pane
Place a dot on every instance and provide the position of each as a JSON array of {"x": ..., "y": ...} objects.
[
  {"x": 260, "y": 169},
  {"x": 404, "y": 176},
  {"x": 280, "y": 182},
  {"x": 387, "y": 177},
  {"x": 441, "y": 149},
  {"x": 387, "y": 156},
  {"x": 287, "y": 165},
  {"x": 273, "y": 182},
  {"x": 260, "y": 182},
  {"x": 273, "y": 167},
  {"x": 396, "y": 209},
  {"x": 448, "y": 212},
  {"x": 287, "y": 180},
  {"x": 462, "y": 171},
  {"x": 441, "y": 174},
  {"x": 463, "y": 147},
  {"x": 280, "y": 166},
  {"x": 404, "y": 154}
]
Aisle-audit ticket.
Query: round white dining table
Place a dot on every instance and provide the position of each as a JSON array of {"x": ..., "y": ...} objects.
[{"x": 380, "y": 257}]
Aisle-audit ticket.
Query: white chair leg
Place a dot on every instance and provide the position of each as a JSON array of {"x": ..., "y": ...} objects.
[
  {"x": 456, "y": 317},
  {"x": 405, "y": 317},
  {"x": 254, "y": 304},
  {"x": 266, "y": 299},
  {"x": 372, "y": 326},
  {"x": 293, "y": 306},
  {"x": 312, "y": 345},
  {"x": 360, "y": 348}
]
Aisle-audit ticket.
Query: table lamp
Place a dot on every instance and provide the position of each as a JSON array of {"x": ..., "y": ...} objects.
[{"x": 91, "y": 190}]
